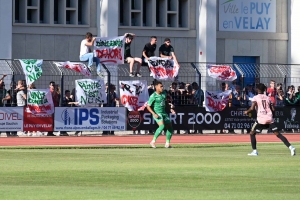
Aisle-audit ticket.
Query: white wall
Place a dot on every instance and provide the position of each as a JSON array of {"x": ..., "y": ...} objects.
[
  {"x": 206, "y": 30},
  {"x": 294, "y": 42},
  {"x": 107, "y": 18},
  {"x": 6, "y": 29}
]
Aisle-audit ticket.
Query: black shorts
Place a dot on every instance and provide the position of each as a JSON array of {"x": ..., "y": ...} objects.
[{"x": 257, "y": 127}]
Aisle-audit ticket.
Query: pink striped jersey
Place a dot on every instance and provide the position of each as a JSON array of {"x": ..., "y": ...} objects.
[{"x": 264, "y": 113}]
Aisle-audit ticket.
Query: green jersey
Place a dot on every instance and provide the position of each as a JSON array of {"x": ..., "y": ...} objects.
[{"x": 158, "y": 102}]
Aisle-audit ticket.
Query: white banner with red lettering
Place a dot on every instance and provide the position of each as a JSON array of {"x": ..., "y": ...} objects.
[
  {"x": 110, "y": 50},
  {"x": 163, "y": 68},
  {"x": 216, "y": 101},
  {"x": 221, "y": 72},
  {"x": 39, "y": 102},
  {"x": 134, "y": 94},
  {"x": 78, "y": 67}
]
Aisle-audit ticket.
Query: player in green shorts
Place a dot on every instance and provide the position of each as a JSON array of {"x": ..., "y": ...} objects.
[{"x": 158, "y": 100}]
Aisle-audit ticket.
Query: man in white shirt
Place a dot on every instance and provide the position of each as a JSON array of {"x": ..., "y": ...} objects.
[{"x": 86, "y": 53}]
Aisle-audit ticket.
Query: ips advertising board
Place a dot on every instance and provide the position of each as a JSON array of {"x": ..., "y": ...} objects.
[
  {"x": 11, "y": 118},
  {"x": 89, "y": 119},
  {"x": 247, "y": 15},
  {"x": 197, "y": 118}
]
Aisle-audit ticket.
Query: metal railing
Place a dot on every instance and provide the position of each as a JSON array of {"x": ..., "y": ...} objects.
[{"x": 188, "y": 73}]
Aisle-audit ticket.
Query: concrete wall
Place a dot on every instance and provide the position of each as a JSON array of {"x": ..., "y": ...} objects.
[
  {"x": 5, "y": 29},
  {"x": 62, "y": 43},
  {"x": 52, "y": 43},
  {"x": 270, "y": 47}
]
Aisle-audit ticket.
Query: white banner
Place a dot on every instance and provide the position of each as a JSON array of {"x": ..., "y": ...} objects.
[
  {"x": 163, "y": 68},
  {"x": 89, "y": 119},
  {"x": 32, "y": 69},
  {"x": 110, "y": 50},
  {"x": 90, "y": 92},
  {"x": 11, "y": 119},
  {"x": 78, "y": 67},
  {"x": 134, "y": 94},
  {"x": 215, "y": 101},
  {"x": 221, "y": 72},
  {"x": 247, "y": 15},
  {"x": 39, "y": 102}
]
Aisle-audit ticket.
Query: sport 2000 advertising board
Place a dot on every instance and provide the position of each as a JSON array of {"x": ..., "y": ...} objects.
[{"x": 89, "y": 119}]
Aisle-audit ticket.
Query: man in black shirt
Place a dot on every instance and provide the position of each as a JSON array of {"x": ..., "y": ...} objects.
[
  {"x": 149, "y": 49},
  {"x": 167, "y": 51},
  {"x": 129, "y": 59}
]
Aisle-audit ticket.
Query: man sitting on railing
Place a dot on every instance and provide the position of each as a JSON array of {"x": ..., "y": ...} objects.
[
  {"x": 129, "y": 58},
  {"x": 86, "y": 53}
]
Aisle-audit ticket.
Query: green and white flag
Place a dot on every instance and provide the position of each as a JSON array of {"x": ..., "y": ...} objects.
[
  {"x": 90, "y": 92},
  {"x": 32, "y": 69},
  {"x": 39, "y": 102}
]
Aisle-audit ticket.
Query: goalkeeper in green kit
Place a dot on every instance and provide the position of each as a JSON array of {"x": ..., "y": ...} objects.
[{"x": 158, "y": 100}]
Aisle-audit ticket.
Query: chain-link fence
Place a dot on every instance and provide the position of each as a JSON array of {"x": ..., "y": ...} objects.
[{"x": 188, "y": 73}]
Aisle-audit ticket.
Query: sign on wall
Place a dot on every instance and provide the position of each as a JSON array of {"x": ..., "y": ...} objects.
[
  {"x": 198, "y": 118},
  {"x": 247, "y": 15},
  {"x": 11, "y": 119},
  {"x": 89, "y": 119}
]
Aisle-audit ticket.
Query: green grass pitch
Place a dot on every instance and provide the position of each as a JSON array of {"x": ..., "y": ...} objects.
[{"x": 186, "y": 172}]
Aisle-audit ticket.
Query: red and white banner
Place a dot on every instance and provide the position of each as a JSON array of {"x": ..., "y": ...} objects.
[
  {"x": 37, "y": 122},
  {"x": 110, "y": 50},
  {"x": 163, "y": 68},
  {"x": 78, "y": 67},
  {"x": 221, "y": 72},
  {"x": 215, "y": 101},
  {"x": 134, "y": 94},
  {"x": 39, "y": 102}
]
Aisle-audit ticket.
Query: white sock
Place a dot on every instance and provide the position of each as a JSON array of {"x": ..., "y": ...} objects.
[
  {"x": 254, "y": 150},
  {"x": 290, "y": 147}
]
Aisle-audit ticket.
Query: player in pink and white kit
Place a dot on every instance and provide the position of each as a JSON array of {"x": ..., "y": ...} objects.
[{"x": 264, "y": 108}]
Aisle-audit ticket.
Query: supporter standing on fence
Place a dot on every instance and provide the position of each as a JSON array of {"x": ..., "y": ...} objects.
[
  {"x": 128, "y": 58},
  {"x": 86, "y": 53},
  {"x": 265, "y": 110},
  {"x": 55, "y": 98},
  {"x": 159, "y": 102}
]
